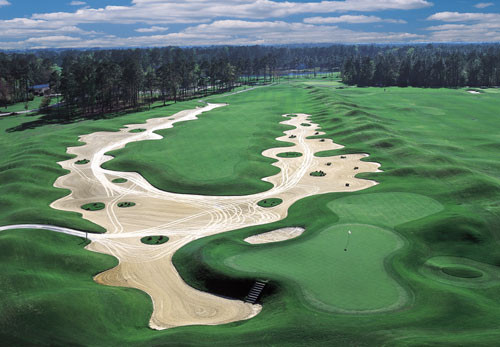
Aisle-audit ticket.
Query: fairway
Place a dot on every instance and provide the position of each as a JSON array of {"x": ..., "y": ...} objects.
[{"x": 330, "y": 278}]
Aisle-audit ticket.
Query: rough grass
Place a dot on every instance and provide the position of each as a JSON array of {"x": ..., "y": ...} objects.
[
  {"x": 271, "y": 202},
  {"x": 119, "y": 180},
  {"x": 93, "y": 206},
  {"x": 125, "y": 204},
  {"x": 154, "y": 240},
  {"x": 289, "y": 154}
]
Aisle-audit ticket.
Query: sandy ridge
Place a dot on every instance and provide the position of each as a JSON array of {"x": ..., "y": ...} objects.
[{"x": 185, "y": 218}]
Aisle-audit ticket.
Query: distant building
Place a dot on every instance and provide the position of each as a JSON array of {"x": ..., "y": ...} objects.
[{"x": 40, "y": 89}]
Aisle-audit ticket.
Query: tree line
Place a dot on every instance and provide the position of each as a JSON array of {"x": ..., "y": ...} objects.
[
  {"x": 425, "y": 66},
  {"x": 98, "y": 81}
]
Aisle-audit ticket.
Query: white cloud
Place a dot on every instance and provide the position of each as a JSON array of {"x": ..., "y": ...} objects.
[
  {"x": 24, "y": 27},
  {"x": 351, "y": 19},
  {"x": 4, "y": 3},
  {"x": 192, "y": 11},
  {"x": 466, "y": 27},
  {"x": 463, "y": 17},
  {"x": 152, "y": 29},
  {"x": 77, "y": 3},
  {"x": 483, "y": 4},
  {"x": 236, "y": 32}
]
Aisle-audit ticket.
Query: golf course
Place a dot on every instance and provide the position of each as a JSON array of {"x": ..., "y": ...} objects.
[{"x": 366, "y": 216}]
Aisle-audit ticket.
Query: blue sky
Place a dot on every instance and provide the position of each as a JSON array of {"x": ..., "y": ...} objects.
[{"x": 140, "y": 23}]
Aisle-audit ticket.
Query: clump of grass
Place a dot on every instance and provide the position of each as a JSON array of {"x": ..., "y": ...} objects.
[
  {"x": 119, "y": 180},
  {"x": 93, "y": 206},
  {"x": 289, "y": 155},
  {"x": 305, "y": 124},
  {"x": 318, "y": 173},
  {"x": 271, "y": 202},
  {"x": 124, "y": 204},
  {"x": 292, "y": 136},
  {"x": 82, "y": 161},
  {"x": 138, "y": 130},
  {"x": 154, "y": 240}
]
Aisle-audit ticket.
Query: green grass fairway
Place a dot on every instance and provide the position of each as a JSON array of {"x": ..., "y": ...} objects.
[
  {"x": 330, "y": 278},
  {"x": 183, "y": 162},
  {"x": 154, "y": 240}
]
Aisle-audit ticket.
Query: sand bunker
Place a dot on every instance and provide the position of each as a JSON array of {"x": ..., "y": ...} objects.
[
  {"x": 184, "y": 218},
  {"x": 277, "y": 235},
  {"x": 473, "y": 92}
]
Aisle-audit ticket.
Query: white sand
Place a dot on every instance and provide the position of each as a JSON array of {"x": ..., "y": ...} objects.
[{"x": 277, "y": 235}]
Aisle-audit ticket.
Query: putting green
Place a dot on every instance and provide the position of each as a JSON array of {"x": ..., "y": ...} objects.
[
  {"x": 462, "y": 272},
  {"x": 384, "y": 209},
  {"x": 331, "y": 278}
]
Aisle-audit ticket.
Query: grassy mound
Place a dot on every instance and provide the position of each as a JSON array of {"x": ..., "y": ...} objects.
[
  {"x": 93, "y": 206},
  {"x": 119, "y": 180},
  {"x": 271, "y": 202},
  {"x": 461, "y": 272},
  {"x": 318, "y": 173},
  {"x": 125, "y": 204},
  {"x": 82, "y": 161},
  {"x": 305, "y": 124},
  {"x": 289, "y": 155},
  {"x": 154, "y": 240},
  {"x": 138, "y": 130}
]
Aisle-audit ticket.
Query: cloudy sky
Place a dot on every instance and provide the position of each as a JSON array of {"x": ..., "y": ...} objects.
[{"x": 135, "y": 23}]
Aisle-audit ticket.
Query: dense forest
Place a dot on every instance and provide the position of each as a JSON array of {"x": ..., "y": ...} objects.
[
  {"x": 425, "y": 66},
  {"x": 101, "y": 81}
]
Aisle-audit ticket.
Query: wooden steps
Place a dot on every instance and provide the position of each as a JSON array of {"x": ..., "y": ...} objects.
[{"x": 255, "y": 291}]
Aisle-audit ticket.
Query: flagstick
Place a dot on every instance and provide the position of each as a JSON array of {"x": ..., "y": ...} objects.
[{"x": 348, "y": 238}]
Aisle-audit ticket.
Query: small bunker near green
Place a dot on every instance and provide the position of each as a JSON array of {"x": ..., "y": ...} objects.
[
  {"x": 93, "y": 206},
  {"x": 138, "y": 130},
  {"x": 154, "y": 240},
  {"x": 119, "y": 180},
  {"x": 82, "y": 162},
  {"x": 271, "y": 202},
  {"x": 125, "y": 204},
  {"x": 289, "y": 155}
]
